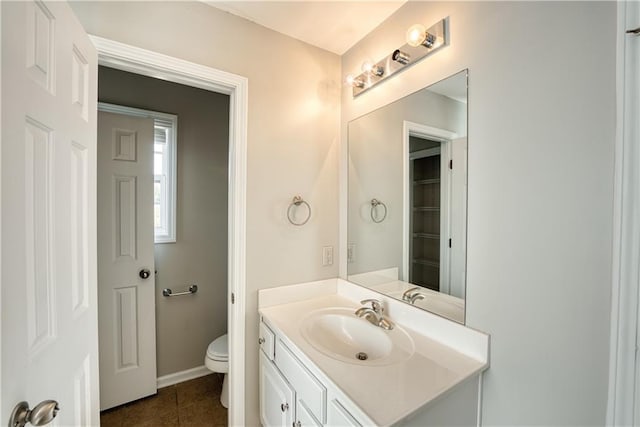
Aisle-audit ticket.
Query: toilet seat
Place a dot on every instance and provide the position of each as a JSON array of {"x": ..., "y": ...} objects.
[{"x": 219, "y": 349}]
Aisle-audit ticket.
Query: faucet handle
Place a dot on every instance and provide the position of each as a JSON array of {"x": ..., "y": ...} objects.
[
  {"x": 410, "y": 293},
  {"x": 375, "y": 304}
]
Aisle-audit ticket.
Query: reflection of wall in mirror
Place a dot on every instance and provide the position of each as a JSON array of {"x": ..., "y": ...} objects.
[{"x": 376, "y": 171}]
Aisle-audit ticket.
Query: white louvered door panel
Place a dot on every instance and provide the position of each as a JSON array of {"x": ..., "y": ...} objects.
[{"x": 48, "y": 175}]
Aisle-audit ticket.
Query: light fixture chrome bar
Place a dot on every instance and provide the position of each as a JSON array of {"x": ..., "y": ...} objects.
[{"x": 404, "y": 57}]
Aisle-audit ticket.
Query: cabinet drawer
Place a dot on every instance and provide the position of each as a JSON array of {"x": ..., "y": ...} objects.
[
  {"x": 308, "y": 389},
  {"x": 267, "y": 340}
]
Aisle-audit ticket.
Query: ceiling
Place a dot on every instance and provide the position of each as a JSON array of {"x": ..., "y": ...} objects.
[{"x": 336, "y": 25}]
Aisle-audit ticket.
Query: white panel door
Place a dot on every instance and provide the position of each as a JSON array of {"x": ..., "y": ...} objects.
[
  {"x": 125, "y": 248},
  {"x": 48, "y": 174}
]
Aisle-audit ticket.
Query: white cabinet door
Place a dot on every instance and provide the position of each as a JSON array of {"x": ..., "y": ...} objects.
[
  {"x": 304, "y": 416},
  {"x": 277, "y": 398},
  {"x": 49, "y": 307},
  {"x": 127, "y": 321},
  {"x": 337, "y": 415}
]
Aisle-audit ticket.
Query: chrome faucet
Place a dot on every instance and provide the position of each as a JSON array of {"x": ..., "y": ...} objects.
[
  {"x": 412, "y": 295},
  {"x": 374, "y": 314}
]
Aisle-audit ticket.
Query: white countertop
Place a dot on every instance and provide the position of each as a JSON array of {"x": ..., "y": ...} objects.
[{"x": 386, "y": 394}]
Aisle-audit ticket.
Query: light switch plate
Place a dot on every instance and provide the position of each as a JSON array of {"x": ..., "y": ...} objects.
[{"x": 327, "y": 256}]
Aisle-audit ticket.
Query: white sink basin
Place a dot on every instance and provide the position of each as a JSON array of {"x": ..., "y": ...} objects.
[{"x": 340, "y": 334}]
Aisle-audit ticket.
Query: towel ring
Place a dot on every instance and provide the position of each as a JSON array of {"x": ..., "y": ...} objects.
[
  {"x": 374, "y": 204},
  {"x": 297, "y": 201}
]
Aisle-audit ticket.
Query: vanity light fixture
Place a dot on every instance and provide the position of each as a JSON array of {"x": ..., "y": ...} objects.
[{"x": 420, "y": 43}]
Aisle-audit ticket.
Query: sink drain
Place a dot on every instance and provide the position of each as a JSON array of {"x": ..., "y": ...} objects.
[{"x": 362, "y": 356}]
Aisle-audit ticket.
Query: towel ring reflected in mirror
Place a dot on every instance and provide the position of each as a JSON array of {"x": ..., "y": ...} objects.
[
  {"x": 296, "y": 202},
  {"x": 374, "y": 205}
]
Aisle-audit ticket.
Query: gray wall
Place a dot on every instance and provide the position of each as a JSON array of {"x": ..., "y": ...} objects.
[
  {"x": 541, "y": 144},
  {"x": 293, "y": 134},
  {"x": 185, "y": 326}
]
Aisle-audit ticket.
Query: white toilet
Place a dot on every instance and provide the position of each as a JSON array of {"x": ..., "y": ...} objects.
[{"x": 217, "y": 360}]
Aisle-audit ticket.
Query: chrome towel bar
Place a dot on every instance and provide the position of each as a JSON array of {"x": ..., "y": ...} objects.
[{"x": 169, "y": 293}]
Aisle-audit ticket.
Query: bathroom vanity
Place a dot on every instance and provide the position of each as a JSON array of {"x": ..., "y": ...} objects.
[{"x": 320, "y": 364}]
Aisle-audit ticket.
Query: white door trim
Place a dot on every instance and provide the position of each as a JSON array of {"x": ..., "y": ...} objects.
[
  {"x": 624, "y": 372},
  {"x": 141, "y": 61},
  {"x": 415, "y": 129},
  {"x": 2, "y": 416}
]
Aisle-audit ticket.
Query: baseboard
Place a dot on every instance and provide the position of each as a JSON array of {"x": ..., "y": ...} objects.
[{"x": 178, "y": 377}]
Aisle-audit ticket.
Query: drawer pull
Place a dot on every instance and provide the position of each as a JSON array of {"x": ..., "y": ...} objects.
[
  {"x": 284, "y": 407},
  {"x": 297, "y": 424},
  {"x": 260, "y": 340}
]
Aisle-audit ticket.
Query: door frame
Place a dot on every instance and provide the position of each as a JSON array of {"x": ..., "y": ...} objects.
[
  {"x": 624, "y": 366},
  {"x": 429, "y": 132},
  {"x": 152, "y": 64}
]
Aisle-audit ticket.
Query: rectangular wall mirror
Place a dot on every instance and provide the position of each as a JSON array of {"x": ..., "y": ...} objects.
[{"x": 407, "y": 198}]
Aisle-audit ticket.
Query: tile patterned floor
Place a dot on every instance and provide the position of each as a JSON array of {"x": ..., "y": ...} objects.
[{"x": 192, "y": 403}]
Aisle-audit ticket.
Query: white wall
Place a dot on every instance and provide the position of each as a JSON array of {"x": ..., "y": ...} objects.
[
  {"x": 541, "y": 137},
  {"x": 294, "y": 97}
]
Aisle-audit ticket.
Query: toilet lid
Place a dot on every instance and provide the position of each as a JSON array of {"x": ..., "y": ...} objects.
[{"x": 218, "y": 349}]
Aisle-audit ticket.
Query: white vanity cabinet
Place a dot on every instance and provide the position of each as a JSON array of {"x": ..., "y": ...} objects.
[{"x": 292, "y": 396}]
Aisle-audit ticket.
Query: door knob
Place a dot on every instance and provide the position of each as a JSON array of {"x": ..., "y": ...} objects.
[
  {"x": 145, "y": 273},
  {"x": 43, "y": 413},
  {"x": 284, "y": 407}
]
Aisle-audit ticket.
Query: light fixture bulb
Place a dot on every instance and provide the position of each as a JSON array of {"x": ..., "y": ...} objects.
[
  {"x": 416, "y": 34},
  {"x": 352, "y": 81},
  {"x": 373, "y": 69}
]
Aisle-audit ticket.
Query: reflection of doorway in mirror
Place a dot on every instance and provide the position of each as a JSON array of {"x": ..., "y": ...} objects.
[
  {"x": 425, "y": 226},
  {"x": 435, "y": 209}
]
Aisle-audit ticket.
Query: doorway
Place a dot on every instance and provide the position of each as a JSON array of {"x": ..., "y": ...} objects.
[
  {"x": 181, "y": 173},
  {"x": 140, "y": 61},
  {"x": 187, "y": 173}
]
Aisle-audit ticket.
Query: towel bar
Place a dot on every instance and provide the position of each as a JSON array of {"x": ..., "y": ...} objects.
[{"x": 168, "y": 293}]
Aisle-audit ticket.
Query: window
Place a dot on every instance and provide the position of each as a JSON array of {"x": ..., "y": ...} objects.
[
  {"x": 164, "y": 188},
  {"x": 164, "y": 167}
]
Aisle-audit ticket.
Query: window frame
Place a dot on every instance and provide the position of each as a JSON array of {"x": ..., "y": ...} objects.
[{"x": 169, "y": 121}]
